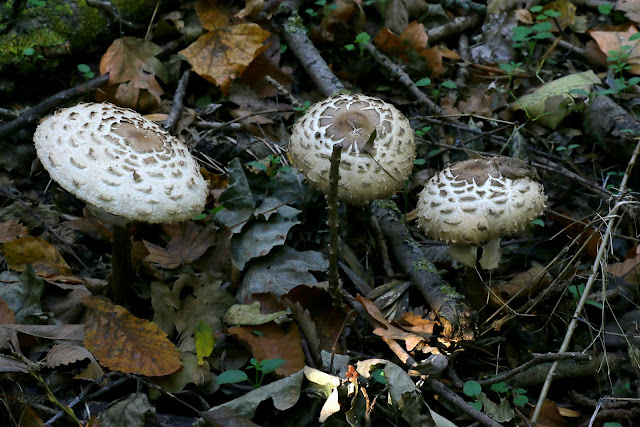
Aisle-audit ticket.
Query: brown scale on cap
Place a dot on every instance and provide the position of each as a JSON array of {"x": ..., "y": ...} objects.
[{"x": 370, "y": 168}]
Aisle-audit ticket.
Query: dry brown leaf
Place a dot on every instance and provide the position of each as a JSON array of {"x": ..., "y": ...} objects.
[
  {"x": 65, "y": 354},
  {"x": 7, "y": 316},
  {"x": 187, "y": 243},
  {"x": 614, "y": 41},
  {"x": 11, "y": 230},
  {"x": 413, "y": 40},
  {"x": 133, "y": 67},
  {"x": 387, "y": 330},
  {"x": 550, "y": 415},
  {"x": 273, "y": 342},
  {"x": 125, "y": 343},
  {"x": 222, "y": 54},
  {"x": 631, "y": 9},
  {"x": 251, "y": 8},
  {"x": 50, "y": 332},
  {"x": 29, "y": 418},
  {"x": 628, "y": 270},
  {"x": 577, "y": 229},
  {"x": 522, "y": 285},
  {"x": 42, "y": 255}
]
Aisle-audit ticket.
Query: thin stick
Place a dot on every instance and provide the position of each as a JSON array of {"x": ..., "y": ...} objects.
[
  {"x": 592, "y": 277},
  {"x": 176, "y": 107},
  {"x": 334, "y": 228}
]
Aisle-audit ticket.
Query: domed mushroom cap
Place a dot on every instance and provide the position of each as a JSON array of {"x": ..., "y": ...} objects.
[
  {"x": 121, "y": 162},
  {"x": 476, "y": 200},
  {"x": 368, "y": 171}
]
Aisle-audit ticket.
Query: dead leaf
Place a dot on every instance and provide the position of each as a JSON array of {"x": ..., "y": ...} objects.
[
  {"x": 628, "y": 270},
  {"x": 7, "y": 316},
  {"x": 609, "y": 41},
  {"x": 222, "y": 54},
  {"x": 522, "y": 285},
  {"x": 65, "y": 354},
  {"x": 631, "y": 9},
  {"x": 125, "y": 343},
  {"x": 187, "y": 243},
  {"x": 42, "y": 255},
  {"x": 550, "y": 415},
  {"x": 412, "y": 42},
  {"x": 133, "y": 67},
  {"x": 251, "y": 9},
  {"x": 273, "y": 342},
  {"x": 386, "y": 329},
  {"x": 29, "y": 418},
  {"x": 11, "y": 230}
]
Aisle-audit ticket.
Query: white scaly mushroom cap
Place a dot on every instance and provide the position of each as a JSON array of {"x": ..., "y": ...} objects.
[
  {"x": 479, "y": 200},
  {"x": 366, "y": 172},
  {"x": 119, "y": 161}
]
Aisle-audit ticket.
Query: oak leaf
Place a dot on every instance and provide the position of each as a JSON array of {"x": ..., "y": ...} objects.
[
  {"x": 42, "y": 255},
  {"x": 12, "y": 229},
  {"x": 125, "y": 343},
  {"x": 222, "y": 54},
  {"x": 133, "y": 67}
]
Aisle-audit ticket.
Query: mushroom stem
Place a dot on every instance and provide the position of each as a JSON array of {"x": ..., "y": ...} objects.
[
  {"x": 121, "y": 268},
  {"x": 334, "y": 227}
]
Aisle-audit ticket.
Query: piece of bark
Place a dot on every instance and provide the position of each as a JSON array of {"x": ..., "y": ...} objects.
[{"x": 457, "y": 319}]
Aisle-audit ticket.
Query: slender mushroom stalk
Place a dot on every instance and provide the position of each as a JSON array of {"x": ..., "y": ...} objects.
[
  {"x": 354, "y": 148},
  {"x": 477, "y": 202},
  {"x": 118, "y": 161}
]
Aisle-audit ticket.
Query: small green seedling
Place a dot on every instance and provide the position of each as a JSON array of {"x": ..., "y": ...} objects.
[
  {"x": 271, "y": 165},
  {"x": 304, "y": 107},
  {"x": 526, "y": 38},
  {"x": 426, "y": 81},
  {"x": 501, "y": 411},
  {"x": 86, "y": 71},
  {"x": 325, "y": 8},
  {"x": 576, "y": 293},
  {"x": 361, "y": 40},
  {"x": 235, "y": 376}
]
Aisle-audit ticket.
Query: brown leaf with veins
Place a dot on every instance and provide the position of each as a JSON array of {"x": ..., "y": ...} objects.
[
  {"x": 42, "y": 255},
  {"x": 412, "y": 41},
  {"x": 187, "y": 243},
  {"x": 133, "y": 67},
  {"x": 222, "y": 54},
  {"x": 122, "y": 342},
  {"x": 273, "y": 342}
]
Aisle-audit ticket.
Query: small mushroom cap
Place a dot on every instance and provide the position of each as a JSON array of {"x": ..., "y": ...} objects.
[
  {"x": 119, "y": 161},
  {"x": 476, "y": 200},
  {"x": 368, "y": 170}
]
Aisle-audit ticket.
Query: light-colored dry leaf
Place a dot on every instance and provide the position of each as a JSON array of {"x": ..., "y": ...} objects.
[
  {"x": 628, "y": 270},
  {"x": 11, "y": 230},
  {"x": 187, "y": 243},
  {"x": 222, "y": 54},
  {"x": 125, "y": 343},
  {"x": 522, "y": 285},
  {"x": 65, "y": 354},
  {"x": 609, "y": 41},
  {"x": 631, "y": 9},
  {"x": 42, "y": 255},
  {"x": 251, "y": 9}
]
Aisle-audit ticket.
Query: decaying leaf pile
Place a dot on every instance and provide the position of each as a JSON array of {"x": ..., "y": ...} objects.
[{"x": 232, "y": 322}]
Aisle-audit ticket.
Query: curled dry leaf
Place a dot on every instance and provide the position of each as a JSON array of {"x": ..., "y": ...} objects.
[
  {"x": 125, "y": 343},
  {"x": 65, "y": 354},
  {"x": 522, "y": 285}
]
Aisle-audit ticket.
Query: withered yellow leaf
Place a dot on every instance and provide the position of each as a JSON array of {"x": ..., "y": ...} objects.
[
  {"x": 122, "y": 342},
  {"x": 42, "y": 255}
]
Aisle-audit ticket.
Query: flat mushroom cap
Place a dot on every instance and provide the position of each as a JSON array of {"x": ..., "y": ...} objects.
[
  {"x": 473, "y": 201},
  {"x": 119, "y": 161},
  {"x": 367, "y": 171}
]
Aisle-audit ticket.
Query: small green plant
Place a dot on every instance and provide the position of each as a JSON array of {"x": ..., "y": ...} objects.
[
  {"x": 577, "y": 291},
  {"x": 510, "y": 69},
  {"x": 271, "y": 165},
  {"x": 426, "y": 81},
  {"x": 361, "y": 40},
  {"x": 605, "y": 8},
  {"x": 36, "y": 3},
  {"x": 28, "y": 51},
  {"x": 325, "y": 8},
  {"x": 500, "y": 412},
  {"x": 86, "y": 71},
  {"x": 263, "y": 368},
  {"x": 422, "y": 131},
  {"x": 304, "y": 107},
  {"x": 526, "y": 38}
]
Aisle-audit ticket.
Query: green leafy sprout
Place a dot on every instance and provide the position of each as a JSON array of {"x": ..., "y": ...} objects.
[
  {"x": 473, "y": 389},
  {"x": 86, "y": 71},
  {"x": 576, "y": 292},
  {"x": 426, "y": 81},
  {"x": 234, "y": 376},
  {"x": 526, "y": 38},
  {"x": 361, "y": 40}
]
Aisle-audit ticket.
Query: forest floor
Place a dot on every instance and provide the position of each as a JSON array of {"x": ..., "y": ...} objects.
[{"x": 256, "y": 311}]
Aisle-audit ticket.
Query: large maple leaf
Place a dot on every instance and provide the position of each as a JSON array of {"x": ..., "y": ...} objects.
[
  {"x": 133, "y": 67},
  {"x": 222, "y": 54}
]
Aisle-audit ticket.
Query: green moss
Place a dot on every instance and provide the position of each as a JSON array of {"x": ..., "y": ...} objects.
[
  {"x": 134, "y": 9},
  {"x": 295, "y": 25},
  {"x": 387, "y": 204},
  {"x": 424, "y": 264},
  {"x": 449, "y": 291},
  {"x": 49, "y": 32}
]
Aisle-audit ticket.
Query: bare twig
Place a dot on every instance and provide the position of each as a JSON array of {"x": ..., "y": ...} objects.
[
  {"x": 611, "y": 219},
  {"x": 178, "y": 98}
]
